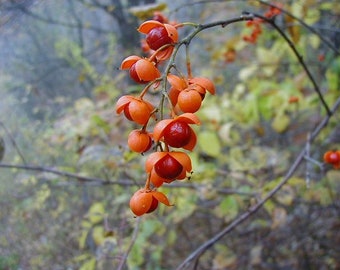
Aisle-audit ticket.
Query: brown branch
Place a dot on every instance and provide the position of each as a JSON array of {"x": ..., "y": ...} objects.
[
  {"x": 124, "y": 182},
  {"x": 300, "y": 59},
  {"x": 132, "y": 242},
  {"x": 310, "y": 28},
  {"x": 11, "y": 137},
  {"x": 252, "y": 210}
]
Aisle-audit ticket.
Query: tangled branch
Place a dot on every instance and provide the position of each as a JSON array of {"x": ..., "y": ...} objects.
[{"x": 252, "y": 210}]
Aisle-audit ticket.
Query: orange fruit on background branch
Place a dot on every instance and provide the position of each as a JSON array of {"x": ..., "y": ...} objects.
[{"x": 333, "y": 158}]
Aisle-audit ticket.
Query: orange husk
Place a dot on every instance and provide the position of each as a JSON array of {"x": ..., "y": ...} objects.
[
  {"x": 177, "y": 82},
  {"x": 147, "y": 26},
  {"x": 189, "y": 100},
  {"x": 129, "y": 61},
  {"x": 140, "y": 202},
  {"x": 192, "y": 142},
  {"x": 183, "y": 159},
  {"x": 205, "y": 83},
  {"x": 172, "y": 32},
  {"x": 122, "y": 102},
  {"x": 159, "y": 196},
  {"x": 189, "y": 118},
  {"x": 159, "y": 128},
  {"x": 139, "y": 141},
  {"x": 152, "y": 159},
  {"x": 173, "y": 95},
  {"x": 164, "y": 54},
  {"x": 140, "y": 111},
  {"x": 146, "y": 70},
  {"x": 155, "y": 179}
]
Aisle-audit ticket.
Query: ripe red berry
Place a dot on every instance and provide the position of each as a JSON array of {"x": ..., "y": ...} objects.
[
  {"x": 168, "y": 167},
  {"x": 332, "y": 157},
  {"x": 154, "y": 205},
  {"x": 177, "y": 134},
  {"x": 157, "y": 37},
  {"x": 134, "y": 75}
]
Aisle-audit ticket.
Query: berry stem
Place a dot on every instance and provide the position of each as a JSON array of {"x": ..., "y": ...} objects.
[
  {"x": 147, "y": 183},
  {"x": 188, "y": 62},
  {"x": 153, "y": 56}
]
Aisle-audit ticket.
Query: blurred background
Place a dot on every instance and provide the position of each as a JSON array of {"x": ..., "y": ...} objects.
[{"x": 66, "y": 172}]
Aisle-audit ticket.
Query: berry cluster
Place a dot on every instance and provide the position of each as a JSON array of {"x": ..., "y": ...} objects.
[
  {"x": 172, "y": 136},
  {"x": 255, "y": 24},
  {"x": 333, "y": 158}
]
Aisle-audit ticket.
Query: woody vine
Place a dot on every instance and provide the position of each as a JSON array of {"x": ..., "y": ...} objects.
[{"x": 166, "y": 129}]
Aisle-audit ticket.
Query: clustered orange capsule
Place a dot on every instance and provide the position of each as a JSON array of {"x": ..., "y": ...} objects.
[
  {"x": 255, "y": 24},
  {"x": 333, "y": 158},
  {"x": 171, "y": 137}
]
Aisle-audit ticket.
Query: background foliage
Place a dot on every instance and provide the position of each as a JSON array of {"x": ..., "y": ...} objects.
[{"x": 67, "y": 206}]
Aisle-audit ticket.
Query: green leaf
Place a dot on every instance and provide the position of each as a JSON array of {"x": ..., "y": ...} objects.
[
  {"x": 209, "y": 143},
  {"x": 228, "y": 207}
]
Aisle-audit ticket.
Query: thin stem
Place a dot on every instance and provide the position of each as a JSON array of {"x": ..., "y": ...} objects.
[
  {"x": 187, "y": 56},
  {"x": 147, "y": 183},
  {"x": 153, "y": 56},
  {"x": 300, "y": 59},
  {"x": 10, "y": 136},
  {"x": 310, "y": 28},
  {"x": 133, "y": 241}
]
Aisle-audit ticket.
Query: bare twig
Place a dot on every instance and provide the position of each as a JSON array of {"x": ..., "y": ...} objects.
[
  {"x": 124, "y": 182},
  {"x": 11, "y": 137},
  {"x": 300, "y": 59},
  {"x": 201, "y": 249},
  {"x": 310, "y": 28},
  {"x": 132, "y": 242}
]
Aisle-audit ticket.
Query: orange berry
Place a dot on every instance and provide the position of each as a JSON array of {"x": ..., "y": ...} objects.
[
  {"x": 146, "y": 201},
  {"x": 141, "y": 70},
  {"x": 139, "y": 141},
  {"x": 176, "y": 132},
  {"x": 167, "y": 165},
  {"x": 135, "y": 109},
  {"x": 189, "y": 100},
  {"x": 332, "y": 157}
]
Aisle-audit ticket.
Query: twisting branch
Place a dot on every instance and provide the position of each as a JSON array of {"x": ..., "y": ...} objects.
[
  {"x": 132, "y": 242},
  {"x": 310, "y": 28},
  {"x": 300, "y": 59},
  {"x": 9, "y": 134},
  {"x": 124, "y": 182},
  {"x": 252, "y": 210}
]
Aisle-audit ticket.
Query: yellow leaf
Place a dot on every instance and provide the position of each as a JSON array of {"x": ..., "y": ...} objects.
[
  {"x": 89, "y": 265},
  {"x": 293, "y": 29},
  {"x": 144, "y": 12},
  {"x": 98, "y": 235},
  {"x": 82, "y": 239},
  {"x": 96, "y": 213},
  {"x": 280, "y": 123}
]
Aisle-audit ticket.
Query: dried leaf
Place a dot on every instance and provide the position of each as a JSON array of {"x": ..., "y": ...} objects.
[{"x": 279, "y": 217}]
